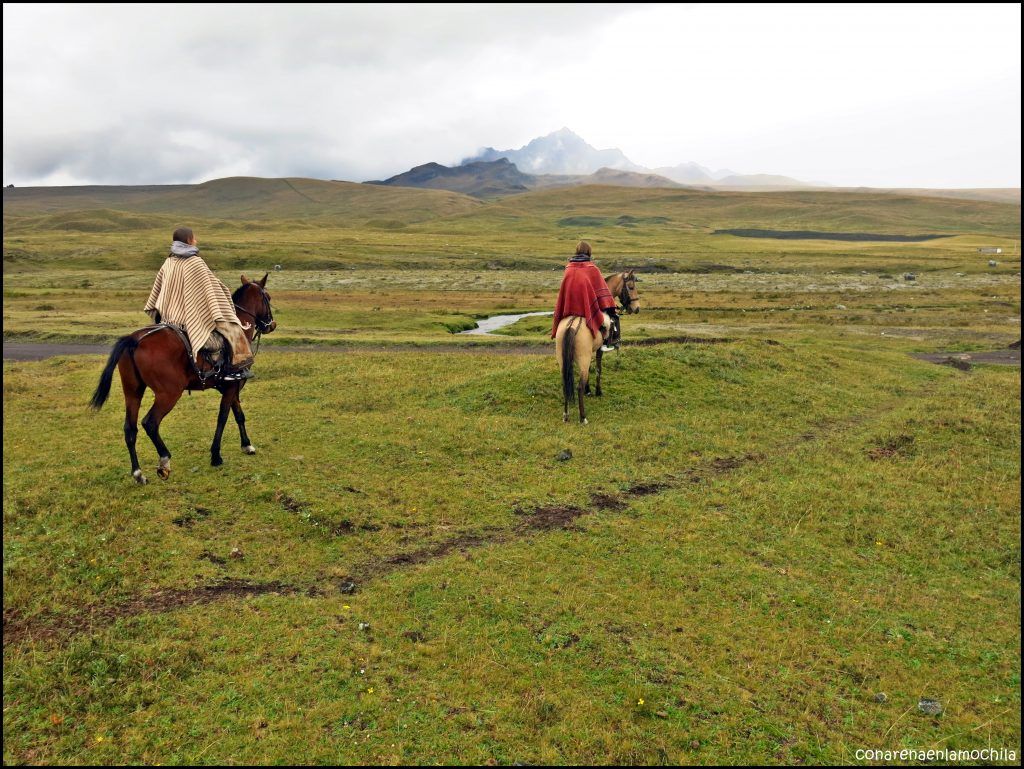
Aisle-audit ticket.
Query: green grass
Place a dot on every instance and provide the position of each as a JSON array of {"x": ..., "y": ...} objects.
[
  {"x": 255, "y": 224},
  {"x": 756, "y": 613},
  {"x": 828, "y": 519}
]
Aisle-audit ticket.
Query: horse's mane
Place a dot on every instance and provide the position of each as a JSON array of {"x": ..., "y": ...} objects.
[{"x": 235, "y": 297}]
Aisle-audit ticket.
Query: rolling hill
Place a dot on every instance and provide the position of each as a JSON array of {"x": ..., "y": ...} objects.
[
  {"x": 484, "y": 179},
  {"x": 246, "y": 198}
]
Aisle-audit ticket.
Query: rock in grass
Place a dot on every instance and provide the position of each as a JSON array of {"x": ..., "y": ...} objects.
[
  {"x": 236, "y": 553},
  {"x": 347, "y": 588},
  {"x": 564, "y": 455},
  {"x": 881, "y": 697},
  {"x": 929, "y": 707}
]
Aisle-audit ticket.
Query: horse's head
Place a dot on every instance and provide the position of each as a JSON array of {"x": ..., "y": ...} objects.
[
  {"x": 628, "y": 295},
  {"x": 252, "y": 300}
]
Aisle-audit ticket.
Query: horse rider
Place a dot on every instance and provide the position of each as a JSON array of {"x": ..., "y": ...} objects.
[
  {"x": 584, "y": 293},
  {"x": 187, "y": 293}
]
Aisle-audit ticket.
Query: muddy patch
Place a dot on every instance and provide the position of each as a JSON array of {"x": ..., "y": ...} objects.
[
  {"x": 897, "y": 446},
  {"x": 601, "y": 501},
  {"x": 290, "y": 504},
  {"x": 646, "y": 489},
  {"x": 53, "y": 625},
  {"x": 189, "y": 519},
  {"x": 461, "y": 543},
  {"x": 213, "y": 558},
  {"x": 719, "y": 465},
  {"x": 724, "y": 464},
  {"x": 552, "y": 517}
]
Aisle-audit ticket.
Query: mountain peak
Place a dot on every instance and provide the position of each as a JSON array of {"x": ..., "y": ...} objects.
[
  {"x": 564, "y": 132},
  {"x": 559, "y": 152}
]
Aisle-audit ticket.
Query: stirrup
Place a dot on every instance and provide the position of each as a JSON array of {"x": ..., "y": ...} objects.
[{"x": 235, "y": 376}]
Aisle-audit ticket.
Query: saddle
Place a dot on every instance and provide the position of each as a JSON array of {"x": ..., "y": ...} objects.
[{"x": 208, "y": 364}]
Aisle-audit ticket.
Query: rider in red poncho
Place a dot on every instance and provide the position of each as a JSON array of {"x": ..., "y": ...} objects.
[{"x": 584, "y": 293}]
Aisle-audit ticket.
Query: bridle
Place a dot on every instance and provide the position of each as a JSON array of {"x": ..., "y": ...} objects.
[
  {"x": 626, "y": 293},
  {"x": 262, "y": 323}
]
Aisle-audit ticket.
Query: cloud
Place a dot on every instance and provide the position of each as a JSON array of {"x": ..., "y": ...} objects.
[{"x": 185, "y": 93}]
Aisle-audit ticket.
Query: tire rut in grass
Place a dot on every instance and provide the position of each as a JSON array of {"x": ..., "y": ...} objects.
[
  {"x": 534, "y": 520},
  {"x": 543, "y": 518},
  {"x": 46, "y": 626}
]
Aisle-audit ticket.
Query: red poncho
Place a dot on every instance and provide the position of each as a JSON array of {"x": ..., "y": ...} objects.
[{"x": 585, "y": 294}]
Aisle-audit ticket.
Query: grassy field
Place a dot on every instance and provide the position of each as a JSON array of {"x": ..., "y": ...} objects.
[{"x": 768, "y": 549}]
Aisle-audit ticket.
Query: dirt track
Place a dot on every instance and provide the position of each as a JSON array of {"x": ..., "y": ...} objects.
[{"x": 965, "y": 360}]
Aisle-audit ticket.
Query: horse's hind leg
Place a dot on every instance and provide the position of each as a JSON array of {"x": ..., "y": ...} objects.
[
  {"x": 597, "y": 391},
  {"x": 583, "y": 360},
  {"x": 236, "y": 409},
  {"x": 583, "y": 387},
  {"x": 151, "y": 424},
  {"x": 133, "y": 390}
]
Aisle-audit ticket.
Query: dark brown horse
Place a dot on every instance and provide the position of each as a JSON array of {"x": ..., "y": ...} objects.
[{"x": 157, "y": 358}]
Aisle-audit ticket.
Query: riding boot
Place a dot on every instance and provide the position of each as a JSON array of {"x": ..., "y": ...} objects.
[{"x": 611, "y": 341}]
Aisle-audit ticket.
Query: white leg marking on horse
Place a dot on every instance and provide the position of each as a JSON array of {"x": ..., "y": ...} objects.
[
  {"x": 139, "y": 477},
  {"x": 585, "y": 421},
  {"x": 250, "y": 449}
]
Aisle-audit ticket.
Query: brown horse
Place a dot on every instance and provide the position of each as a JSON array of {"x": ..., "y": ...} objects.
[
  {"x": 156, "y": 357},
  {"x": 575, "y": 343}
]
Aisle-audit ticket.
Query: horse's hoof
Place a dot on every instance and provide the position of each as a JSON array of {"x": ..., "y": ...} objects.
[
  {"x": 216, "y": 461},
  {"x": 139, "y": 478},
  {"x": 565, "y": 417},
  {"x": 163, "y": 469},
  {"x": 250, "y": 449},
  {"x": 584, "y": 421},
  {"x": 598, "y": 394}
]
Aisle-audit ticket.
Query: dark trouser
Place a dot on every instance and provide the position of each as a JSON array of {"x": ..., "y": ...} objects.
[{"x": 615, "y": 333}]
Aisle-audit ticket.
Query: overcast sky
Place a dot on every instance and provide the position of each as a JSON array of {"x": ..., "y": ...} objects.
[{"x": 919, "y": 95}]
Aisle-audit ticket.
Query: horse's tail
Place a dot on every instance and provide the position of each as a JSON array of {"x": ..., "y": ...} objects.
[
  {"x": 125, "y": 344},
  {"x": 568, "y": 350}
]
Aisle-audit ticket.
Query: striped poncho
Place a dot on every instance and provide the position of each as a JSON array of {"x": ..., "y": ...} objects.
[{"x": 186, "y": 292}]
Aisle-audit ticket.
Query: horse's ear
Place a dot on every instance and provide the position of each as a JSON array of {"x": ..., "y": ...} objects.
[
  {"x": 245, "y": 280},
  {"x": 263, "y": 281},
  {"x": 632, "y": 273}
]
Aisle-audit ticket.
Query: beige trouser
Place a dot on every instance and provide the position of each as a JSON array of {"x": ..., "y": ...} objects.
[{"x": 236, "y": 337}]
